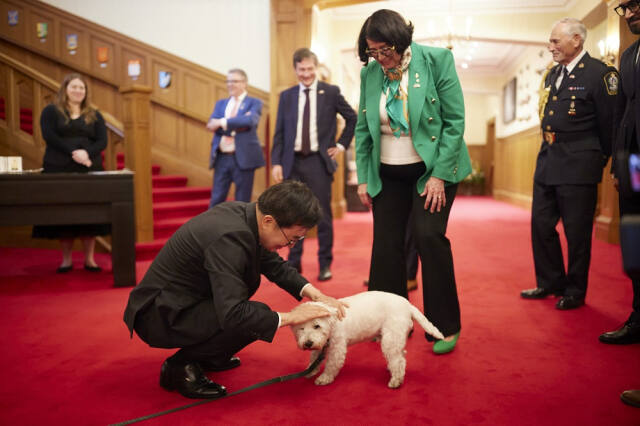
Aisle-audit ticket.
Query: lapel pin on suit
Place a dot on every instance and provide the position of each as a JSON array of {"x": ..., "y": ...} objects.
[{"x": 321, "y": 92}]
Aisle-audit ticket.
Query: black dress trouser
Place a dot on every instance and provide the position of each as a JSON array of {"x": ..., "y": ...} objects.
[
  {"x": 575, "y": 205},
  {"x": 631, "y": 206},
  {"x": 393, "y": 207}
]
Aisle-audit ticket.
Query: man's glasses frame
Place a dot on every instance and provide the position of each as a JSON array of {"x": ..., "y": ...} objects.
[
  {"x": 385, "y": 52},
  {"x": 631, "y": 6},
  {"x": 290, "y": 242}
]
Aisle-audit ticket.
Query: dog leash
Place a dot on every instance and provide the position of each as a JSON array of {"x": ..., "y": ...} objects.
[{"x": 278, "y": 379}]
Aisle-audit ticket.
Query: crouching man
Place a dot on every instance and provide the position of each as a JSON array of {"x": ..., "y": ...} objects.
[{"x": 195, "y": 296}]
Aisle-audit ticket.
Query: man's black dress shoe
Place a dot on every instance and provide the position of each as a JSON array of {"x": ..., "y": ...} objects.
[
  {"x": 539, "y": 293},
  {"x": 631, "y": 397},
  {"x": 325, "y": 274},
  {"x": 190, "y": 381},
  {"x": 217, "y": 365},
  {"x": 627, "y": 334},
  {"x": 64, "y": 269},
  {"x": 570, "y": 302}
]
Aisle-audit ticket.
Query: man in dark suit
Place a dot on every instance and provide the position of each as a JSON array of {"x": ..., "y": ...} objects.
[
  {"x": 196, "y": 294},
  {"x": 304, "y": 145},
  {"x": 577, "y": 106},
  {"x": 627, "y": 142},
  {"x": 235, "y": 148}
]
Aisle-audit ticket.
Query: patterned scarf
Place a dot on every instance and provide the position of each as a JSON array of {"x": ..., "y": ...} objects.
[{"x": 396, "y": 105}]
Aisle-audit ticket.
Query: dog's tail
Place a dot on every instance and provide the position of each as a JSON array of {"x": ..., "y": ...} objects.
[{"x": 425, "y": 323}]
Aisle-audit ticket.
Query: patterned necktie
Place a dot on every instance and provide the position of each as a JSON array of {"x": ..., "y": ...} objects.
[{"x": 305, "y": 149}]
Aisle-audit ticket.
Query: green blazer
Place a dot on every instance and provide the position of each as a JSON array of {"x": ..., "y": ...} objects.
[{"x": 436, "y": 119}]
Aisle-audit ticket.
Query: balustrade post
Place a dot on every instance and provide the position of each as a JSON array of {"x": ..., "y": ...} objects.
[{"x": 136, "y": 112}]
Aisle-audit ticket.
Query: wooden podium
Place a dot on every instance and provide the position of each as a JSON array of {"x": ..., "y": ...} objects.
[{"x": 76, "y": 198}]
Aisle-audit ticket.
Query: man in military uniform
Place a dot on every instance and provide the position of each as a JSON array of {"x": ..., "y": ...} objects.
[{"x": 576, "y": 113}]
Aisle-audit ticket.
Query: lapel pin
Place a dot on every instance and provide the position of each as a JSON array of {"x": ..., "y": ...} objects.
[
  {"x": 416, "y": 85},
  {"x": 581, "y": 65},
  {"x": 321, "y": 92}
]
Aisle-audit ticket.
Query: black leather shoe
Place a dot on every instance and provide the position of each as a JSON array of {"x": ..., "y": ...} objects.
[
  {"x": 570, "y": 302},
  {"x": 539, "y": 293},
  {"x": 631, "y": 397},
  {"x": 627, "y": 334},
  {"x": 92, "y": 268},
  {"x": 325, "y": 274},
  {"x": 64, "y": 269},
  {"x": 217, "y": 365},
  {"x": 190, "y": 381}
]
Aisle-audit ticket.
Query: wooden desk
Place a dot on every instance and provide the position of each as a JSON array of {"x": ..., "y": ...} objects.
[{"x": 76, "y": 198}]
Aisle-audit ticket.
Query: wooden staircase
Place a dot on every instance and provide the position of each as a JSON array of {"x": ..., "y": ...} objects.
[{"x": 174, "y": 203}]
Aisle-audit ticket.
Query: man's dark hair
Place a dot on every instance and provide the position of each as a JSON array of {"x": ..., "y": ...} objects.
[
  {"x": 385, "y": 26},
  {"x": 291, "y": 203},
  {"x": 304, "y": 53}
]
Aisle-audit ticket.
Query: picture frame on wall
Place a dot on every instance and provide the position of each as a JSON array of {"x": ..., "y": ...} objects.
[{"x": 509, "y": 101}]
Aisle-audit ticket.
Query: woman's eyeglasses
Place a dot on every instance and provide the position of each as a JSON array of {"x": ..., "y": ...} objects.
[{"x": 385, "y": 52}]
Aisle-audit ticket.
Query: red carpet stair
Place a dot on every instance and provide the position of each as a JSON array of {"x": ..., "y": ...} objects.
[{"x": 173, "y": 204}]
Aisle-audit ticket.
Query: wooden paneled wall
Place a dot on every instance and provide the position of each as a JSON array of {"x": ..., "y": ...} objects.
[
  {"x": 180, "y": 141},
  {"x": 514, "y": 164}
]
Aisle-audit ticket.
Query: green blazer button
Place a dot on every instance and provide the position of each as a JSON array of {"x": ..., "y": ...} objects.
[{"x": 433, "y": 138}]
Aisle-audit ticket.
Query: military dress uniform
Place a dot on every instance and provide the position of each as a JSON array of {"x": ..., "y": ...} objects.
[{"x": 577, "y": 126}]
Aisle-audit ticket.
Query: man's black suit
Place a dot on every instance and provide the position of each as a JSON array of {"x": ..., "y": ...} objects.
[
  {"x": 316, "y": 170},
  {"x": 577, "y": 127},
  {"x": 195, "y": 295},
  {"x": 627, "y": 141}
]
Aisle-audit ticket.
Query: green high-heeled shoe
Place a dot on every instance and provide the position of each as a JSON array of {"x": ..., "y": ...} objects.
[{"x": 442, "y": 346}]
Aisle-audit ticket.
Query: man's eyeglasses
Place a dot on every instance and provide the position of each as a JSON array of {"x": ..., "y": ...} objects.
[
  {"x": 385, "y": 52},
  {"x": 290, "y": 243},
  {"x": 631, "y": 6},
  {"x": 234, "y": 81}
]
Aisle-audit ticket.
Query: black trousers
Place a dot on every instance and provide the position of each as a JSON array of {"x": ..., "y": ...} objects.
[
  {"x": 393, "y": 207},
  {"x": 197, "y": 343},
  {"x": 312, "y": 171},
  {"x": 575, "y": 205},
  {"x": 631, "y": 206}
]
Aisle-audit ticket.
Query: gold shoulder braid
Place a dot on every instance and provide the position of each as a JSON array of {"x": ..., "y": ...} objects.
[{"x": 543, "y": 94}]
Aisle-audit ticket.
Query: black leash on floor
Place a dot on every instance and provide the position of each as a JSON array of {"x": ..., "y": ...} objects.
[{"x": 278, "y": 379}]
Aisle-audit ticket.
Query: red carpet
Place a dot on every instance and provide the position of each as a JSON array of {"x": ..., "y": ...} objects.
[{"x": 67, "y": 358}]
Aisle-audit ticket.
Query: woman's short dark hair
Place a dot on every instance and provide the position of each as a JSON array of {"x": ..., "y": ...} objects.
[
  {"x": 385, "y": 26},
  {"x": 291, "y": 203}
]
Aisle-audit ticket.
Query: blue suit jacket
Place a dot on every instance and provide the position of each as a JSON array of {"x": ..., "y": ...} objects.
[
  {"x": 329, "y": 103},
  {"x": 248, "y": 150}
]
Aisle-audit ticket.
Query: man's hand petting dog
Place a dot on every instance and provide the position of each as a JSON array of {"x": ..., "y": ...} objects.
[{"x": 302, "y": 313}]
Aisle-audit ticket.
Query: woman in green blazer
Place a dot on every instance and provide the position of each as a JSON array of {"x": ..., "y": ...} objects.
[{"x": 410, "y": 155}]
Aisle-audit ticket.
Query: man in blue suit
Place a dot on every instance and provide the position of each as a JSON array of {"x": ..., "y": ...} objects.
[
  {"x": 304, "y": 146},
  {"x": 235, "y": 150}
]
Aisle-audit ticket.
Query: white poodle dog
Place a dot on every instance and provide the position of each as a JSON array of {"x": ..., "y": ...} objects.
[{"x": 371, "y": 314}]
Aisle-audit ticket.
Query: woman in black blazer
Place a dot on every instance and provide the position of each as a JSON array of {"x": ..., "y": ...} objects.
[{"x": 75, "y": 135}]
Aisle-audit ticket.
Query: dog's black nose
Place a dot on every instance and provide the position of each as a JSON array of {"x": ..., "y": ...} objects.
[{"x": 308, "y": 344}]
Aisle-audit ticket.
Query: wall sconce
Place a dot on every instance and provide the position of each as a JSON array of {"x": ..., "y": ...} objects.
[{"x": 609, "y": 49}]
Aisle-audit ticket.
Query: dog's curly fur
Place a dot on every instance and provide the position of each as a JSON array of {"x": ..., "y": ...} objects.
[{"x": 371, "y": 314}]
